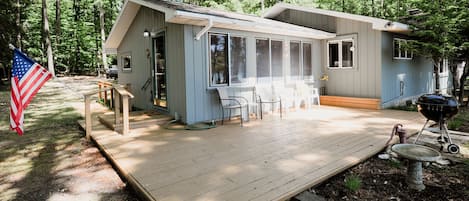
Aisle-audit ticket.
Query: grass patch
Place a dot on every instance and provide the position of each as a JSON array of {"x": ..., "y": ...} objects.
[
  {"x": 353, "y": 183},
  {"x": 455, "y": 124},
  {"x": 459, "y": 121}
]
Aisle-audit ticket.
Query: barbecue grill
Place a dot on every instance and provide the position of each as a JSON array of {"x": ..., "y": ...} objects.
[{"x": 438, "y": 108}]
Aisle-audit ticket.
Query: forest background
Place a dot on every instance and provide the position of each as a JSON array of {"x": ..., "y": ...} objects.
[{"x": 67, "y": 36}]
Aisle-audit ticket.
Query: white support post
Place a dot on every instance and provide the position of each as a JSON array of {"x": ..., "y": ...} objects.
[
  {"x": 117, "y": 110},
  {"x": 125, "y": 113}
]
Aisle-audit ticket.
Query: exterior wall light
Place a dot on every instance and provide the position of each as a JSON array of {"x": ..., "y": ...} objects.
[{"x": 146, "y": 33}]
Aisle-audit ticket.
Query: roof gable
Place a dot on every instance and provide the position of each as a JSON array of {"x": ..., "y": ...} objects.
[
  {"x": 181, "y": 13},
  {"x": 377, "y": 23}
]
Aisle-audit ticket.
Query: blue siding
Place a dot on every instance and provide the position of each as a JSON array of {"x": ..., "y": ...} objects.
[{"x": 416, "y": 74}]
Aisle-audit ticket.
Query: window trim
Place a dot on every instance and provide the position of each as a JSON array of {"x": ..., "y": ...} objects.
[
  {"x": 400, "y": 49},
  {"x": 209, "y": 72},
  {"x": 338, "y": 41}
]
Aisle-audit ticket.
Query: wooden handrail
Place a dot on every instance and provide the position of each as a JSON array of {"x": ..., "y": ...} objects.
[{"x": 120, "y": 91}]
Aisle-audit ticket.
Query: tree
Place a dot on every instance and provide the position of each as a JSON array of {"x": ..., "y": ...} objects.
[
  {"x": 461, "y": 40},
  {"x": 47, "y": 42},
  {"x": 432, "y": 32}
]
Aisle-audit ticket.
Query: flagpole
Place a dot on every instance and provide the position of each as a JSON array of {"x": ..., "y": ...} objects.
[{"x": 12, "y": 47}]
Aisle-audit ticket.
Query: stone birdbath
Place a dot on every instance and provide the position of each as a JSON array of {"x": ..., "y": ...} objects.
[{"x": 416, "y": 155}]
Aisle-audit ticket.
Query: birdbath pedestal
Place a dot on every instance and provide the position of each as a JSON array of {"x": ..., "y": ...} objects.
[{"x": 416, "y": 155}]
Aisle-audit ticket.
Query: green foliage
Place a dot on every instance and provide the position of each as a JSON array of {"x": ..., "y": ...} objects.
[
  {"x": 454, "y": 124},
  {"x": 76, "y": 39},
  {"x": 353, "y": 183},
  {"x": 395, "y": 163}
]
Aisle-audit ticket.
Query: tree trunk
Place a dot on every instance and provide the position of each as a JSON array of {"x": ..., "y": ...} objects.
[
  {"x": 103, "y": 36},
  {"x": 436, "y": 70},
  {"x": 462, "y": 80},
  {"x": 50, "y": 57},
  {"x": 76, "y": 9},
  {"x": 383, "y": 9},
  {"x": 453, "y": 69},
  {"x": 58, "y": 29},
  {"x": 97, "y": 37},
  {"x": 18, "y": 25}
]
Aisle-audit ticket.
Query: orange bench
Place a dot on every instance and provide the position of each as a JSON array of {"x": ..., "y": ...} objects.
[{"x": 353, "y": 102}]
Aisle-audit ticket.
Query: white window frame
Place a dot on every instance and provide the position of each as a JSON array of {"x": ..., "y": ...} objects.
[
  {"x": 406, "y": 52},
  {"x": 229, "y": 35},
  {"x": 339, "y": 42}
]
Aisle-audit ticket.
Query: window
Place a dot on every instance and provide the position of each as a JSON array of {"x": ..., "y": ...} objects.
[
  {"x": 238, "y": 59},
  {"x": 263, "y": 59},
  {"x": 400, "y": 51},
  {"x": 300, "y": 61},
  {"x": 218, "y": 59},
  {"x": 277, "y": 60},
  {"x": 307, "y": 66},
  {"x": 269, "y": 60},
  {"x": 294, "y": 60},
  {"x": 126, "y": 62},
  {"x": 341, "y": 53},
  {"x": 227, "y": 59}
]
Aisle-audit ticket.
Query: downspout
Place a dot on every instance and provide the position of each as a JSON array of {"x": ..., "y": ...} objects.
[{"x": 205, "y": 29}]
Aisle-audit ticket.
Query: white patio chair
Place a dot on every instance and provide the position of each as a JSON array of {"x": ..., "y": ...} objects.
[
  {"x": 306, "y": 95},
  {"x": 266, "y": 95},
  {"x": 231, "y": 102}
]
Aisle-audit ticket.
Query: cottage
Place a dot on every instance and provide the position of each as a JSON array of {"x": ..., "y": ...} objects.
[{"x": 175, "y": 55}]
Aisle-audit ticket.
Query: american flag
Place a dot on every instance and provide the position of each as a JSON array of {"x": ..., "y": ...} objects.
[{"x": 27, "y": 77}]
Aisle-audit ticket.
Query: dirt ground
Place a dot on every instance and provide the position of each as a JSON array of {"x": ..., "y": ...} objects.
[
  {"x": 386, "y": 179},
  {"x": 52, "y": 160}
]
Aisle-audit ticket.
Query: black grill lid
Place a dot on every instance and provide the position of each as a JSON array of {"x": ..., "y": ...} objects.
[{"x": 437, "y": 107}]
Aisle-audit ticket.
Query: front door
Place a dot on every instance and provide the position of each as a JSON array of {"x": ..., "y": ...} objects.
[{"x": 159, "y": 71}]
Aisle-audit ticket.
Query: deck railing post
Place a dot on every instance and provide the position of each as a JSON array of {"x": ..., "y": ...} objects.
[
  {"x": 125, "y": 114},
  {"x": 117, "y": 109},
  {"x": 105, "y": 95},
  {"x": 100, "y": 86},
  {"x": 87, "y": 117}
]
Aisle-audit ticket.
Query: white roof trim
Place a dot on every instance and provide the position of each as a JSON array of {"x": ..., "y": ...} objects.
[
  {"x": 260, "y": 25},
  {"x": 122, "y": 24},
  {"x": 377, "y": 23},
  {"x": 221, "y": 19}
]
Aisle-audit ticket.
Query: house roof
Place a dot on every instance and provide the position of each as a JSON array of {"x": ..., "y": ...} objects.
[
  {"x": 181, "y": 13},
  {"x": 377, "y": 23}
]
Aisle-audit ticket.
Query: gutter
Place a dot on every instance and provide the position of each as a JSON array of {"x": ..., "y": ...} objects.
[{"x": 205, "y": 29}]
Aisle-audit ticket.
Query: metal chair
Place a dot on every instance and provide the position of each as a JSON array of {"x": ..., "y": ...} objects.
[
  {"x": 231, "y": 102},
  {"x": 266, "y": 95}
]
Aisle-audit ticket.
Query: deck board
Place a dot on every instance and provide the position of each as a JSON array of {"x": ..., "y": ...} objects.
[{"x": 270, "y": 159}]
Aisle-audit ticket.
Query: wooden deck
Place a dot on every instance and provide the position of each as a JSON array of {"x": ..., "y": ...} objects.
[{"x": 270, "y": 159}]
